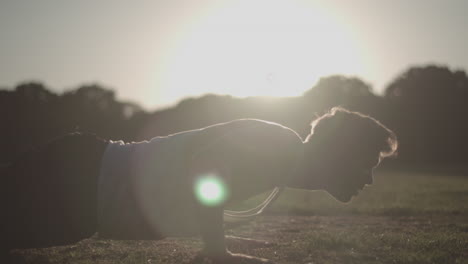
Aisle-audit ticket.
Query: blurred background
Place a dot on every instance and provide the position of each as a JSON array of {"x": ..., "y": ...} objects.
[{"x": 134, "y": 70}]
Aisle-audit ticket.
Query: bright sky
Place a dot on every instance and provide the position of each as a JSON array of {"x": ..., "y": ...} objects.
[{"x": 156, "y": 52}]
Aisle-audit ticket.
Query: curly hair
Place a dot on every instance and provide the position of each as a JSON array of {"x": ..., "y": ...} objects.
[{"x": 341, "y": 126}]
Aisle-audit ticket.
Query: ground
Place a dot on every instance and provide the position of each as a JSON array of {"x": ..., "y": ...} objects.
[{"x": 403, "y": 218}]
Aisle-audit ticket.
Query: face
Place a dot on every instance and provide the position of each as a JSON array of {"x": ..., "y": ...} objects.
[{"x": 346, "y": 180}]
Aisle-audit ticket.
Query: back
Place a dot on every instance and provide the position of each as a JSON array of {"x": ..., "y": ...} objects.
[
  {"x": 154, "y": 193},
  {"x": 252, "y": 154}
]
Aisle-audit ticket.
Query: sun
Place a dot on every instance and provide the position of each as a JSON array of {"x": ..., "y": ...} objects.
[{"x": 249, "y": 48}]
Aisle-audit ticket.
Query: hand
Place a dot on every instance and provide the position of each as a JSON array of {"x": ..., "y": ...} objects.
[
  {"x": 230, "y": 258},
  {"x": 249, "y": 242},
  {"x": 241, "y": 258}
]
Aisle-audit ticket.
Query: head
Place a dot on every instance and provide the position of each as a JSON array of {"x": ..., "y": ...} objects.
[{"x": 342, "y": 150}]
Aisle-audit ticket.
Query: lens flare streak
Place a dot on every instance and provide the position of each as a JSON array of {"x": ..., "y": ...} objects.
[{"x": 210, "y": 190}]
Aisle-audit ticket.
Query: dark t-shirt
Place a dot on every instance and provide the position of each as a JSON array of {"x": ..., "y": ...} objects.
[{"x": 147, "y": 188}]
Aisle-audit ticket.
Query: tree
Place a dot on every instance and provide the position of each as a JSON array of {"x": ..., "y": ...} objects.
[
  {"x": 430, "y": 114},
  {"x": 338, "y": 90}
]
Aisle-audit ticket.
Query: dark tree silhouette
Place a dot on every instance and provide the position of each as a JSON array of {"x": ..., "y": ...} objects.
[
  {"x": 425, "y": 106},
  {"x": 32, "y": 115},
  {"x": 349, "y": 92},
  {"x": 430, "y": 114}
]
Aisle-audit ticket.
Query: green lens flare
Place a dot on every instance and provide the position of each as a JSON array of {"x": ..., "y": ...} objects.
[{"x": 210, "y": 190}]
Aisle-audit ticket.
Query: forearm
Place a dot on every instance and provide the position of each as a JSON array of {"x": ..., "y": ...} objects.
[{"x": 212, "y": 231}]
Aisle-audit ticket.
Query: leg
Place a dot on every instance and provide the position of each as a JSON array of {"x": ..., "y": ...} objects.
[{"x": 49, "y": 194}]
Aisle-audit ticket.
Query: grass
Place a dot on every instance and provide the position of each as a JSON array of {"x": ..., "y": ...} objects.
[
  {"x": 402, "y": 218},
  {"x": 411, "y": 242},
  {"x": 393, "y": 193}
]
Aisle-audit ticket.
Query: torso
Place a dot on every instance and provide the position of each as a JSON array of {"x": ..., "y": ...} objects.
[{"x": 259, "y": 156}]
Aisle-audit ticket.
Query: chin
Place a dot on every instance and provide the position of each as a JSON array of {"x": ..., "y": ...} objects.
[
  {"x": 346, "y": 199},
  {"x": 342, "y": 197}
]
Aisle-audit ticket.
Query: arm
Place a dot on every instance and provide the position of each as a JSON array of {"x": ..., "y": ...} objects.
[
  {"x": 212, "y": 231},
  {"x": 238, "y": 157},
  {"x": 215, "y": 158},
  {"x": 211, "y": 159}
]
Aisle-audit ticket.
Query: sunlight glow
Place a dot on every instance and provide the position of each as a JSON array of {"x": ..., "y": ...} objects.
[{"x": 271, "y": 48}]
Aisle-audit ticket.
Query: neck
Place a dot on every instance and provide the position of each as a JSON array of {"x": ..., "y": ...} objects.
[{"x": 307, "y": 173}]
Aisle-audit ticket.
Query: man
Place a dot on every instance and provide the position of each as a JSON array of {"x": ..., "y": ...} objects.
[{"x": 179, "y": 184}]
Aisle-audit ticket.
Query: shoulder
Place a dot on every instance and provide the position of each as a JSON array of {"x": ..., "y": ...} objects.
[
  {"x": 245, "y": 134},
  {"x": 253, "y": 125},
  {"x": 260, "y": 133},
  {"x": 268, "y": 130}
]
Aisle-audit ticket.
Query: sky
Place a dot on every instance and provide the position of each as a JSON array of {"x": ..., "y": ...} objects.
[{"x": 157, "y": 52}]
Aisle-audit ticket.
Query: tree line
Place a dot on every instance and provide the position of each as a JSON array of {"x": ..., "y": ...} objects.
[{"x": 425, "y": 106}]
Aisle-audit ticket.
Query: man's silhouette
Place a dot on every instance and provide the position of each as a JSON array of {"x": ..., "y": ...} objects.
[{"x": 78, "y": 184}]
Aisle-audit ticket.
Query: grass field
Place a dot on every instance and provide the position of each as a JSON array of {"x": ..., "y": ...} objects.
[{"x": 402, "y": 218}]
